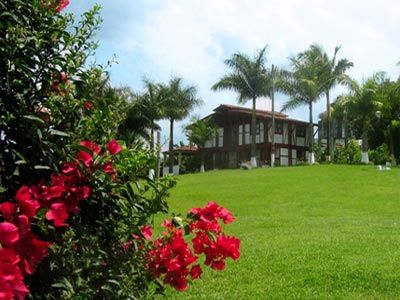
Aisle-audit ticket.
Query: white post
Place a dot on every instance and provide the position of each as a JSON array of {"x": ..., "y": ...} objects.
[
  {"x": 311, "y": 158},
  {"x": 364, "y": 157}
]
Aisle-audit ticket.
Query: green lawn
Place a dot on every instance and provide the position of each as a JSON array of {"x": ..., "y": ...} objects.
[{"x": 307, "y": 232}]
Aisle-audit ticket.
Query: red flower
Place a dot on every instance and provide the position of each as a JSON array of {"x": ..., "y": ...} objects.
[
  {"x": 88, "y": 105},
  {"x": 108, "y": 168},
  {"x": 91, "y": 146},
  {"x": 86, "y": 157},
  {"x": 195, "y": 272},
  {"x": 147, "y": 232},
  {"x": 57, "y": 213},
  {"x": 27, "y": 199},
  {"x": 8, "y": 256},
  {"x": 8, "y": 234},
  {"x": 24, "y": 226},
  {"x": 8, "y": 210},
  {"x": 61, "y": 5},
  {"x": 225, "y": 215},
  {"x": 113, "y": 147},
  {"x": 31, "y": 252}
]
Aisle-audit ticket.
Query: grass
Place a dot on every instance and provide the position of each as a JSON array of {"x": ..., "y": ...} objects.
[{"x": 321, "y": 232}]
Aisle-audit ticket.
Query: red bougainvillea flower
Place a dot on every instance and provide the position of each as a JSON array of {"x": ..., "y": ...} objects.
[
  {"x": 211, "y": 212},
  {"x": 61, "y": 5},
  {"x": 88, "y": 105},
  {"x": 57, "y": 213},
  {"x": 11, "y": 282},
  {"x": 27, "y": 199},
  {"x": 225, "y": 215},
  {"x": 24, "y": 226},
  {"x": 108, "y": 168},
  {"x": 147, "y": 232},
  {"x": 113, "y": 147},
  {"x": 8, "y": 210},
  {"x": 86, "y": 157},
  {"x": 31, "y": 251},
  {"x": 195, "y": 272},
  {"x": 8, "y": 234}
]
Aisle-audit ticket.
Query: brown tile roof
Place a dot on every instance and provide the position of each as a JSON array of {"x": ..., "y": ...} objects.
[{"x": 240, "y": 109}]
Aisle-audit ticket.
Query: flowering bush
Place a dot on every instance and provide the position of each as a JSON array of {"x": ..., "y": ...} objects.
[
  {"x": 70, "y": 194},
  {"x": 170, "y": 257}
]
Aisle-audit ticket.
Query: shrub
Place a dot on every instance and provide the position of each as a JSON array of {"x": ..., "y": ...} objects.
[
  {"x": 351, "y": 154},
  {"x": 380, "y": 155}
]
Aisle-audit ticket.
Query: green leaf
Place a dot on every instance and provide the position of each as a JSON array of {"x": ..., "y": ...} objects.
[
  {"x": 39, "y": 167},
  {"x": 58, "y": 132},
  {"x": 34, "y": 118}
]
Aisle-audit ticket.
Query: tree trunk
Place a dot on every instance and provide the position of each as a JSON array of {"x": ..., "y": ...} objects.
[
  {"x": 311, "y": 159},
  {"x": 273, "y": 119},
  {"x": 152, "y": 136},
  {"x": 328, "y": 127},
  {"x": 364, "y": 147},
  {"x": 392, "y": 157},
  {"x": 253, "y": 135},
  {"x": 201, "y": 162},
  {"x": 171, "y": 147}
]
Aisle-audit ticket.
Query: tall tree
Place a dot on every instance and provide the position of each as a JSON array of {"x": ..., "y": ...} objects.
[
  {"x": 151, "y": 104},
  {"x": 180, "y": 101},
  {"x": 249, "y": 78},
  {"x": 334, "y": 74},
  {"x": 361, "y": 105},
  {"x": 198, "y": 132},
  {"x": 305, "y": 85}
]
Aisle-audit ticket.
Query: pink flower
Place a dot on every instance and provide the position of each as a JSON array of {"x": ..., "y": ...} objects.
[
  {"x": 57, "y": 213},
  {"x": 147, "y": 232},
  {"x": 8, "y": 234},
  {"x": 113, "y": 147}
]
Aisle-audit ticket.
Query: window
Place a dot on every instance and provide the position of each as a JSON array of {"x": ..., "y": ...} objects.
[
  {"x": 220, "y": 137},
  {"x": 260, "y": 133},
  {"x": 278, "y": 128},
  {"x": 240, "y": 134},
  {"x": 301, "y": 131},
  {"x": 247, "y": 133}
]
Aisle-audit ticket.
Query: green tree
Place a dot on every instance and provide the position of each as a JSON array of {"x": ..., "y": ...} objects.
[
  {"x": 145, "y": 109},
  {"x": 179, "y": 102},
  {"x": 361, "y": 105},
  {"x": 250, "y": 79},
  {"x": 334, "y": 74},
  {"x": 198, "y": 133},
  {"x": 305, "y": 85}
]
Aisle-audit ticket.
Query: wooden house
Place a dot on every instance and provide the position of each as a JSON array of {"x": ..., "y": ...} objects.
[{"x": 232, "y": 143}]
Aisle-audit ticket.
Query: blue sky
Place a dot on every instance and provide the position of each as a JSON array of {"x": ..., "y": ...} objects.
[{"x": 191, "y": 39}]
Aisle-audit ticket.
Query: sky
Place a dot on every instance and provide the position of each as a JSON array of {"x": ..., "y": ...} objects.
[{"x": 191, "y": 39}]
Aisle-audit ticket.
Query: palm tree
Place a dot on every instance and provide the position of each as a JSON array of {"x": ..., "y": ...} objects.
[
  {"x": 199, "y": 132},
  {"x": 362, "y": 104},
  {"x": 151, "y": 105},
  {"x": 304, "y": 84},
  {"x": 180, "y": 101},
  {"x": 249, "y": 78},
  {"x": 334, "y": 74}
]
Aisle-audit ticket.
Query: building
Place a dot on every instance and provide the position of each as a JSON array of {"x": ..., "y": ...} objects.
[{"x": 232, "y": 143}]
